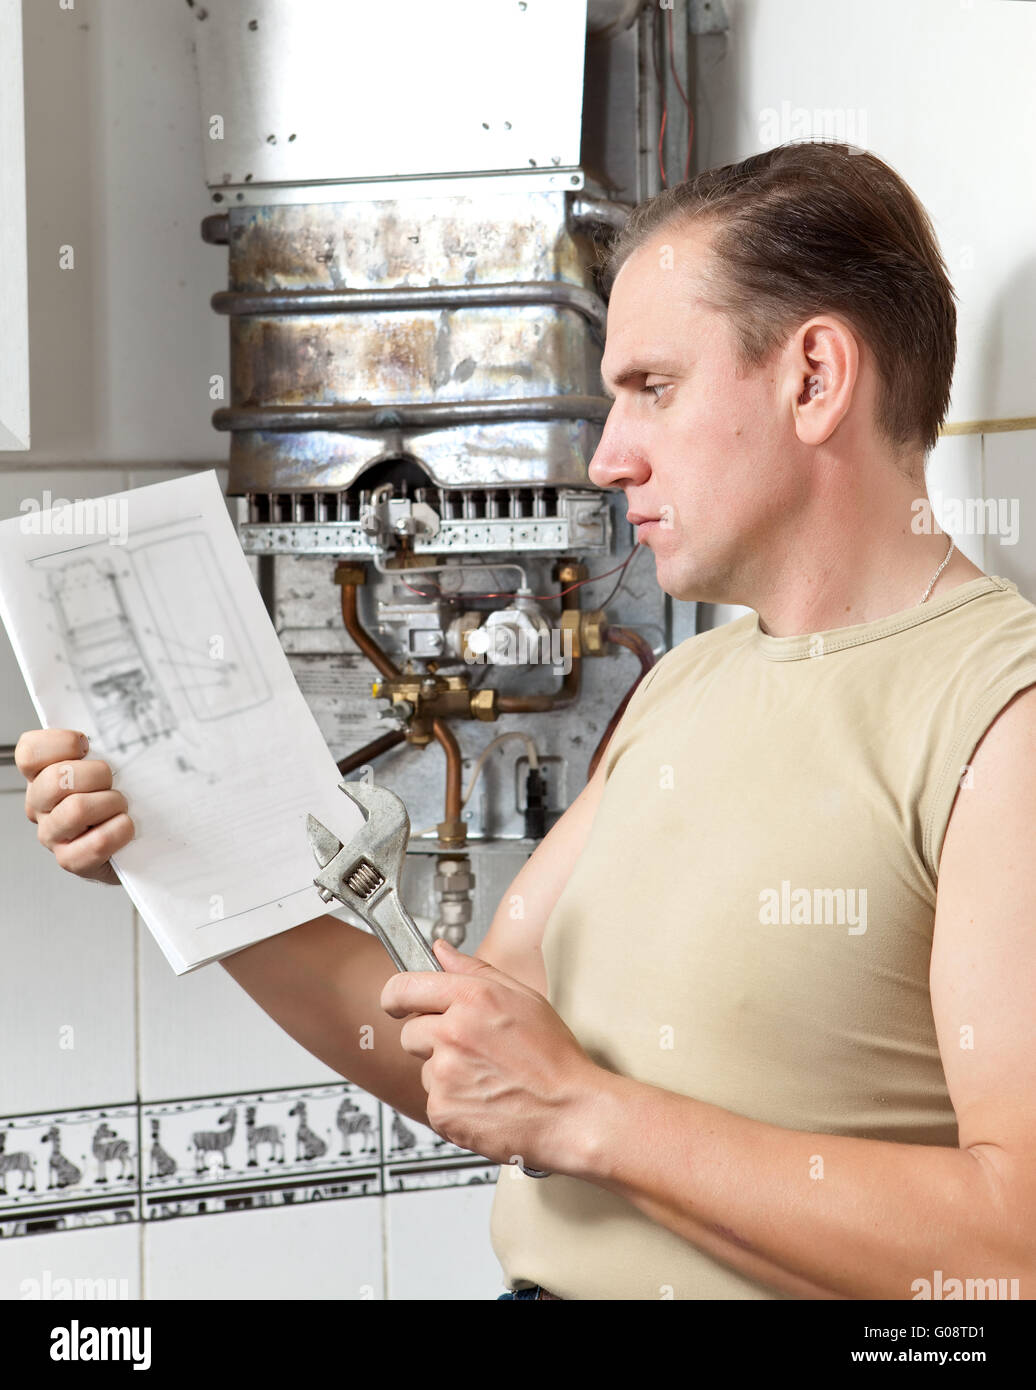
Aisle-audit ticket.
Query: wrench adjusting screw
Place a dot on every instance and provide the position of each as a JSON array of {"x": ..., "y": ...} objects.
[{"x": 365, "y": 880}]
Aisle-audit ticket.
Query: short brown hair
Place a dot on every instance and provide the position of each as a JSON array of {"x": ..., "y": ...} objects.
[{"x": 818, "y": 226}]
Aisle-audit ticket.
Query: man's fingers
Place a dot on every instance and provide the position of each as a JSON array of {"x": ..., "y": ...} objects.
[
  {"x": 63, "y": 779},
  {"x": 421, "y": 992},
  {"x": 417, "y": 1036},
  {"x": 77, "y": 814},
  {"x": 38, "y": 747},
  {"x": 88, "y": 855}
]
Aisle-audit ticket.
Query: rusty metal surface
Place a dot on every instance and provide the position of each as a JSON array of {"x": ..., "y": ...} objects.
[
  {"x": 510, "y": 355},
  {"x": 484, "y": 295},
  {"x": 419, "y": 241},
  {"x": 417, "y": 356},
  {"x": 410, "y": 415},
  {"x": 531, "y": 453}
]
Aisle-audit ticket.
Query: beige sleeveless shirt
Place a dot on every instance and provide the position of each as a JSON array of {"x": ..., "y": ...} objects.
[{"x": 750, "y": 922}]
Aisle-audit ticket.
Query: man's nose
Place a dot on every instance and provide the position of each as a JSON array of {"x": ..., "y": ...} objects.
[{"x": 618, "y": 461}]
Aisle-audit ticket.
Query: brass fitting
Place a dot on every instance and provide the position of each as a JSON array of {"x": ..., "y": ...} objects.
[
  {"x": 483, "y": 704},
  {"x": 572, "y": 621},
  {"x": 350, "y": 574},
  {"x": 592, "y": 632},
  {"x": 569, "y": 572},
  {"x": 587, "y": 629},
  {"x": 453, "y": 832}
]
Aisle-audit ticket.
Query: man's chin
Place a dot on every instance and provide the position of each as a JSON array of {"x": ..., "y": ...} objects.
[
  {"x": 683, "y": 583},
  {"x": 676, "y": 585}
]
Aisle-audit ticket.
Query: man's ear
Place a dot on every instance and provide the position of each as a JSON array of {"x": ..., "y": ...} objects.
[{"x": 820, "y": 372}]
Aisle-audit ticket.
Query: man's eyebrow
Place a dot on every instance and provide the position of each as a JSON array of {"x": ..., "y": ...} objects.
[{"x": 646, "y": 368}]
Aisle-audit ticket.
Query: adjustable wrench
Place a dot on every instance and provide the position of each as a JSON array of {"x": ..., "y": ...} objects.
[{"x": 364, "y": 876}]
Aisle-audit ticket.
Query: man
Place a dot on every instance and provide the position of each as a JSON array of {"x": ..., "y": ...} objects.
[{"x": 786, "y": 929}]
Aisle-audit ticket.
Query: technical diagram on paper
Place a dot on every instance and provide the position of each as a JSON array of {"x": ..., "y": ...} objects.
[{"x": 157, "y": 645}]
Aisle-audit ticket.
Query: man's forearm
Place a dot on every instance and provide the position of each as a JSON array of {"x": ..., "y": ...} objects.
[
  {"x": 813, "y": 1215},
  {"x": 322, "y": 983}
]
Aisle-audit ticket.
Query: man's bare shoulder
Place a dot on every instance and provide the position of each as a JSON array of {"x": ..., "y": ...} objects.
[
  {"x": 983, "y": 967},
  {"x": 1002, "y": 773}
]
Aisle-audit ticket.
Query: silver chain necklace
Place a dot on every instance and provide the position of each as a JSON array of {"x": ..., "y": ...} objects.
[{"x": 935, "y": 576}]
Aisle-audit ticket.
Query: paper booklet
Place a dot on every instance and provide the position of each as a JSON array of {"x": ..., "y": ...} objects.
[{"x": 135, "y": 619}]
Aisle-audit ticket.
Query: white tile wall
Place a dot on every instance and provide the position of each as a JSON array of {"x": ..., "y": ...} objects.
[
  {"x": 33, "y": 1266},
  {"x": 320, "y": 1250},
  {"x": 201, "y": 1034},
  {"x": 66, "y": 988},
  {"x": 438, "y": 1244},
  {"x": 1010, "y": 474},
  {"x": 955, "y": 473}
]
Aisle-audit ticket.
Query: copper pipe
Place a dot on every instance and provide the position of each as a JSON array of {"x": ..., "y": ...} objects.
[
  {"x": 626, "y": 637},
  {"x": 451, "y": 748},
  {"x": 623, "y": 637},
  {"x": 381, "y": 661},
  {"x": 362, "y": 638},
  {"x": 566, "y": 694},
  {"x": 370, "y": 751}
]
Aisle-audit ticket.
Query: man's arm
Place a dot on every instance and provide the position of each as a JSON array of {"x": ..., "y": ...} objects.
[{"x": 884, "y": 1214}]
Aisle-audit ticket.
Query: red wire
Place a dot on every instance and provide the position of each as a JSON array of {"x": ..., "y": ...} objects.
[{"x": 506, "y": 594}]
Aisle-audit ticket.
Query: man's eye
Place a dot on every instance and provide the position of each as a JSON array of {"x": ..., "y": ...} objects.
[{"x": 658, "y": 386}]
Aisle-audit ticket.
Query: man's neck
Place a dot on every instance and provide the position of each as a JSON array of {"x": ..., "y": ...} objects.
[{"x": 862, "y": 565}]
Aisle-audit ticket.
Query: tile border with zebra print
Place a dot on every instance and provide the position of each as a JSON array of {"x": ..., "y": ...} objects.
[{"x": 199, "y": 1155}]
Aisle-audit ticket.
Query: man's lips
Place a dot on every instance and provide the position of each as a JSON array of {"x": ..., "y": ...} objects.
[{"x": 635, "y": 519}]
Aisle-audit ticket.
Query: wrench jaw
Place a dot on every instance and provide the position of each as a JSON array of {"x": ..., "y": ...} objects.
[
  {"x": 386, "y": 832},
  {"x": 322, "y": 842}
]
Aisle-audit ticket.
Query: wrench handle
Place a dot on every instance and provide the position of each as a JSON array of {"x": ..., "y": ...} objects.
[{"x": 400, "y": 935}]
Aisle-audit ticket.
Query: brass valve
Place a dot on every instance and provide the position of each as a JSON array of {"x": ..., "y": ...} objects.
[
  {"x": 587, "y": 629},
  {"x": 420, "y": 699}
]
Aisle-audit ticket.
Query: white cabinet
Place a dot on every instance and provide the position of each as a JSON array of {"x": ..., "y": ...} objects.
[{"x": 14, "y": 295}]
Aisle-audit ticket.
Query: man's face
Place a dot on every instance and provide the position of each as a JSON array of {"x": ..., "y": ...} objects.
[{"x": 713, "y": 454}]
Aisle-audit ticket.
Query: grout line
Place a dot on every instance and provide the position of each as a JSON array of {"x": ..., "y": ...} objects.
[
  {"x": 383, "y": 1205},
  {"x": 141, "y": 1236}
]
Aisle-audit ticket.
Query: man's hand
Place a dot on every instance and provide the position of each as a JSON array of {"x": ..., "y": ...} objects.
[
  {"x": 79, "y": 817},
  {"x": 505, "y": 1077}
]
